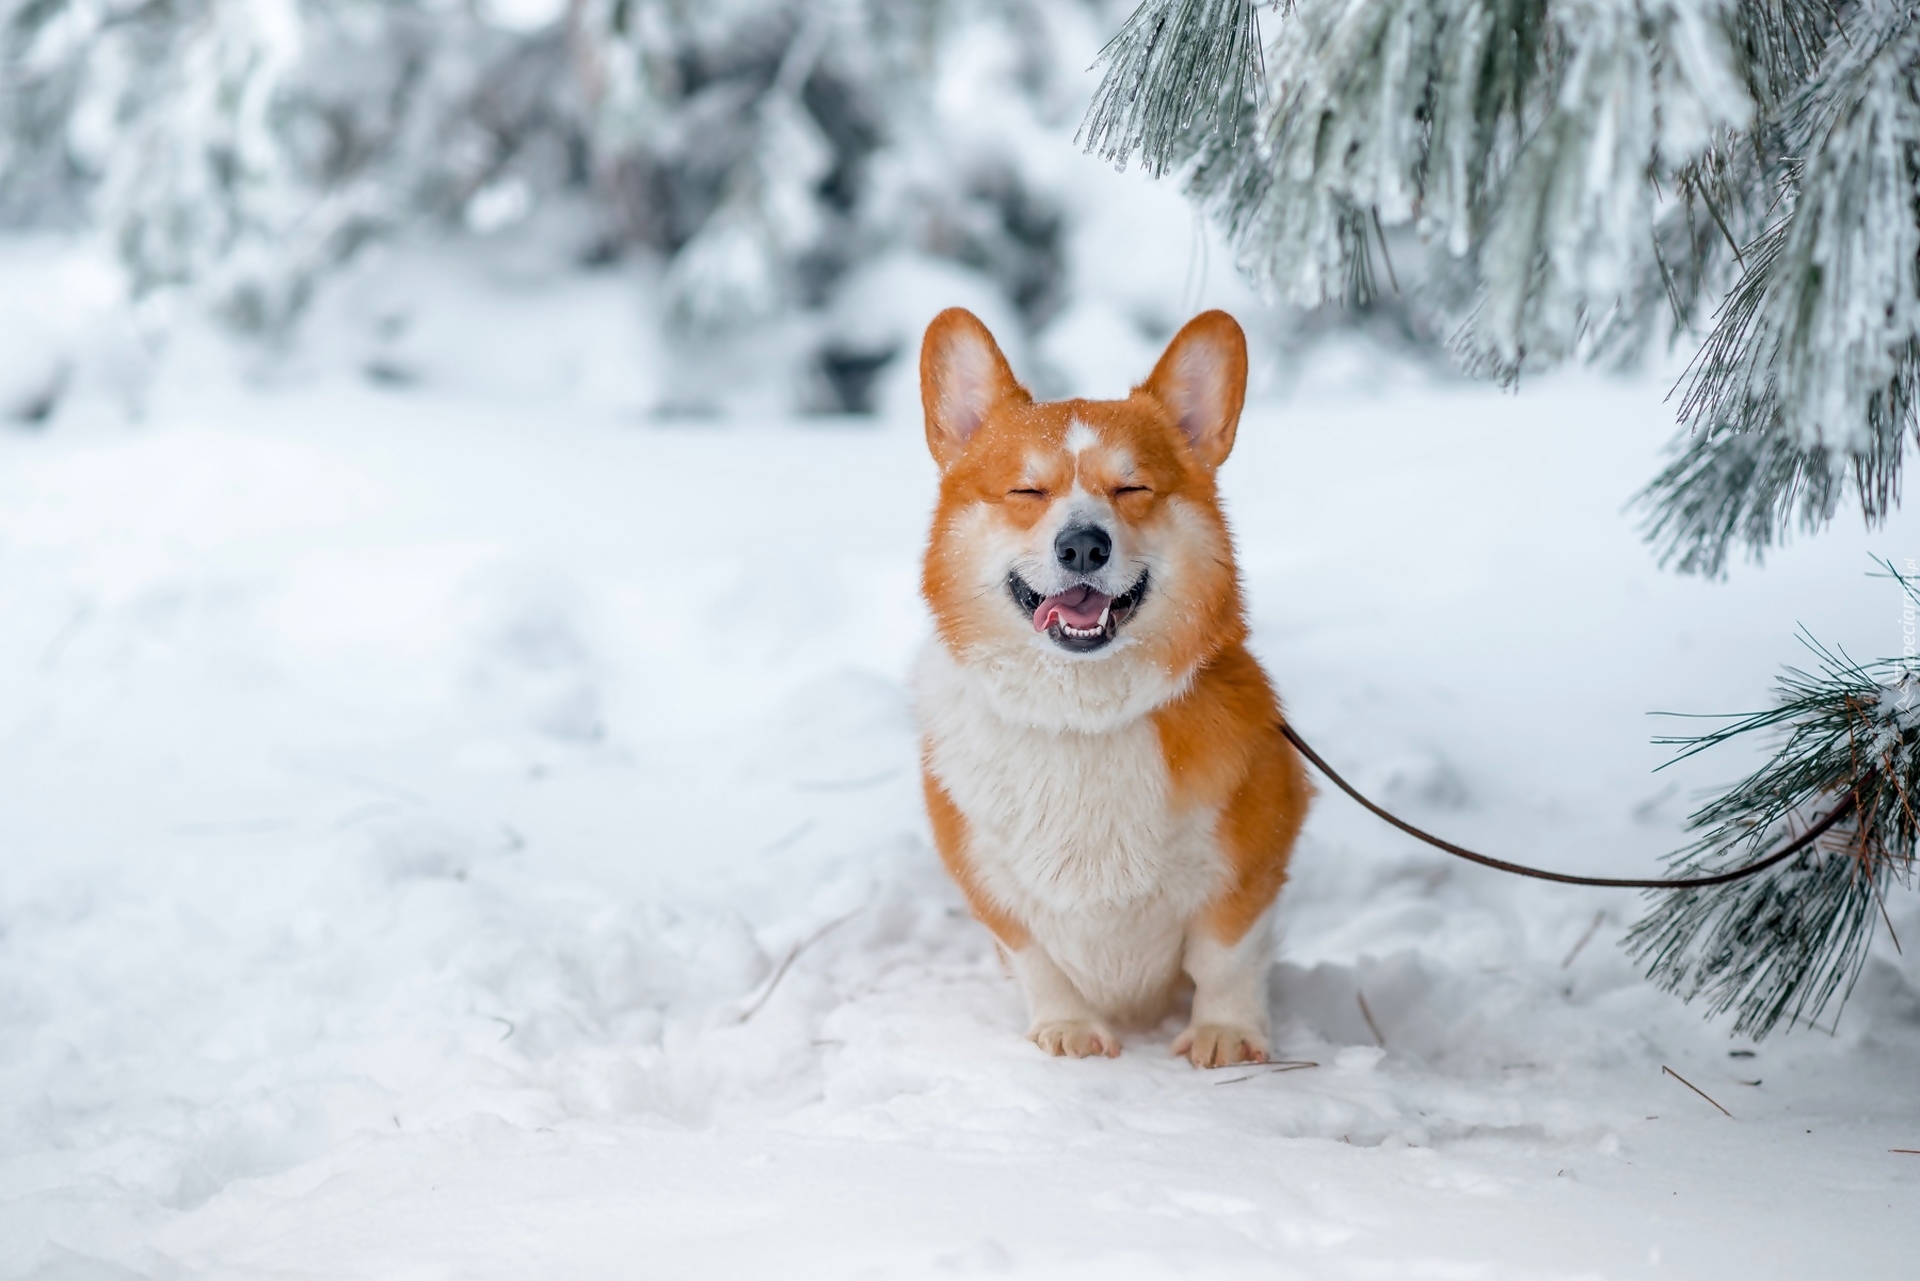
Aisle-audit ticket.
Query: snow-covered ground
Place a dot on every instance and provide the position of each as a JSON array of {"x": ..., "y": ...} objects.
[{"x": 452, "y": 832}]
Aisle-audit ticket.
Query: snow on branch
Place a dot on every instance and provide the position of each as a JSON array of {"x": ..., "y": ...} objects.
[
  {"x": 1176, "y": 69},
  {"x": 1523, "y": 137},
  {"x": 1808, "y": 379}
]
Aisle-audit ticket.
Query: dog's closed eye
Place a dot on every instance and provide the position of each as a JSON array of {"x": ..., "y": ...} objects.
[{"x": 1026, "y": 493}]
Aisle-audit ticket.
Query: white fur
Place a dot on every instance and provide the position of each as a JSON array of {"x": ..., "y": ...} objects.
[
  {"x": 1030, "y": 682},
  {"x": 1073, "y": 831},
  {"x": 1080, "y": 438},
  {"x": 1230, "y": 980}
]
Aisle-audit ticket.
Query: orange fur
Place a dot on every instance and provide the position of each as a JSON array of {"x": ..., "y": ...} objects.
[{"x": 1223, "y": 748}]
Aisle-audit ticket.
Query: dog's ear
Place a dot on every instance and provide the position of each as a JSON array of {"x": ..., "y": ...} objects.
[
  {"x": 1202, "y": 380},
  {"x": 962, "y": 377}
]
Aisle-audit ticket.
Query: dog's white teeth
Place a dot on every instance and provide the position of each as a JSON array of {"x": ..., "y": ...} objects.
[{"x": 1105, "y": 614}]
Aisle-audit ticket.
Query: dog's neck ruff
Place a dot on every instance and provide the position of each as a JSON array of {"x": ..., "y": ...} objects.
[{"x": 1030, "y": 683}]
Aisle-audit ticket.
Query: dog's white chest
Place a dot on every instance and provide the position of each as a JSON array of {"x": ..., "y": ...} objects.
[{"x": 1076, "y": 833}]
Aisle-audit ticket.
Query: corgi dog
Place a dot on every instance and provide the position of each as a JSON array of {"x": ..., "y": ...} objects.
[{"x": 1104, "y": 772}]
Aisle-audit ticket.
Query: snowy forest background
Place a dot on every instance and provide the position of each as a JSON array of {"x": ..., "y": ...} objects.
[
  {"x": 778, "y": 184},
  {"x": 460, "y": 497}
]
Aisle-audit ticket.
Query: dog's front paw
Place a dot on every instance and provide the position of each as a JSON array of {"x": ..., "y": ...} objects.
[
  {"x": 1074, "y": 1038},
  {"x": 1211, "y": 1045}
]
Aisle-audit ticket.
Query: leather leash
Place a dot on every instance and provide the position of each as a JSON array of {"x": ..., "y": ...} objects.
[{"x": 1820, "y": 828}]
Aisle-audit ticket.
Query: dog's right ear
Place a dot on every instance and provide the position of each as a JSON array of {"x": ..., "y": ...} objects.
[{"x": 962, "y": 377}]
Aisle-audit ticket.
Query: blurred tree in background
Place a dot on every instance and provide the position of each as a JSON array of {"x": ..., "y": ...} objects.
[{"x": 761, "y": 149}]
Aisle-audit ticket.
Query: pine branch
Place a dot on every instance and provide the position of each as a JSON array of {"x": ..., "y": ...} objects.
[
  {"x": 1780, "y": 43},
  {"x": 1810, "y": 376},
  {"x": 1179, "y": 70},
  {"x": 1730, "y": 489},
  {"x": 1722, "y": 202},
  {"x": 1788, "y": 942},
  {"x": 1518, "y": 137},
  {"x": 1528, "y": 140}
]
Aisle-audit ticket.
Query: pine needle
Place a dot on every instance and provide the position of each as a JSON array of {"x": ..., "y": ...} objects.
[
  {"x": 1367, "y": 1014},
  {"x": 1273, "y": 1068},
  {"x": 1585, "y": 938},
  {"x": 1696, "y": 1089}
]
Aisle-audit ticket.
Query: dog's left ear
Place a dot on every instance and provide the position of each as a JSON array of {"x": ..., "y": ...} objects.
[
  {"x": 962, "y": 377},
  {"x": 1202, "y": 380}
]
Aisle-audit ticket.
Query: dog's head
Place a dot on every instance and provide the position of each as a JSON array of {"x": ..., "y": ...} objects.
[{"x": 1083, "y": 533}]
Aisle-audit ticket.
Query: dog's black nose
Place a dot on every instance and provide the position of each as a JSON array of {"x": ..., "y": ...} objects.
[{"x": 1083, "y": 548}]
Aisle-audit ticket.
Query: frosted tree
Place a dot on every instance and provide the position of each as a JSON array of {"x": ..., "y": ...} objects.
[
  {"x": 759, "y": 148},
  {"x": 250, "y": 147},
  {"x": 1583, "y": 176}
]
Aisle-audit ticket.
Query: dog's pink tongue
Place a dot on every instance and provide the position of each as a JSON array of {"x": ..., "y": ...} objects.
[{"x": 1076, "y": 607}]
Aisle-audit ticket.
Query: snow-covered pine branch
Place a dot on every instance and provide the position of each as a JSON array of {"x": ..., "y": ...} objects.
[
  {"x": 1525, "y": 139},
  {"x": 1180, "y": 73},
  {"x": 1587, "y": 173},
  {"x": 1809, "y": 376},
  {"x": 1785, "y": 944}
]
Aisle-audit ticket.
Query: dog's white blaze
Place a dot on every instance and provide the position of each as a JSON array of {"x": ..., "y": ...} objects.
[
  {"x": 1078, "y": 507},
  {"x": 1075, "y": 832},
  {"x": 1080, "y": 438}
]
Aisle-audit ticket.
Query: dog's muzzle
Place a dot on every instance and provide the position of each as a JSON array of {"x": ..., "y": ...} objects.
[{"x": 1082, "y": 618}]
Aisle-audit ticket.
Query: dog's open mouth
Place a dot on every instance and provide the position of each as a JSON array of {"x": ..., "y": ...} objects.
[{"x": 1079, "y": 619}]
